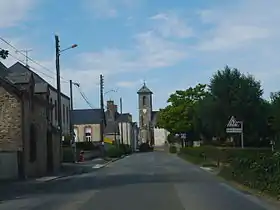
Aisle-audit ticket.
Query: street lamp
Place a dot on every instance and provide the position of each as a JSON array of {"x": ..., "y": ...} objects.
[
  {"x": 112, "y": 90},
  {"x": 58, "y": 52}
]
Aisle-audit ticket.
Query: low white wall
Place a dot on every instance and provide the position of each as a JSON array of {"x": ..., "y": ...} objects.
[{"x": 160, "y": 136}]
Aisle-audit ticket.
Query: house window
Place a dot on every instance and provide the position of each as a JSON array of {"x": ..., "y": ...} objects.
[
  {"x": 55, "y": 110},
  {"x": 32, "y": 144},
  {"x": 144, "y": 100},
  {"x": 63, "y": 113},
  {"x": 88, "y": 134}
]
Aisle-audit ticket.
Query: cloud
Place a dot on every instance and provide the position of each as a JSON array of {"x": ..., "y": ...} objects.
[
  {"x": 108, "y": 8},
  {"x": 245, "y": 36},
  {"x": 150, "y": 51},
  {"x": 14, "y": 11},
  {"x": 236, "y": 27},
  {"x": 128, "y": 84},
  {"x": 171, "y": 25}
]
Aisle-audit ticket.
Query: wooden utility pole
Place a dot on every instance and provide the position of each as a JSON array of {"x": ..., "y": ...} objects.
[
  {"x": 102, "y": 123},
  {"x": 121, "y": 121},
  {"x": 71, "y": 111},
  {"x": 57, "y": 53}
]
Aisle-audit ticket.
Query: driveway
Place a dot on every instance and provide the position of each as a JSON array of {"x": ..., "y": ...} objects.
[{"x": 144, "y": 181}]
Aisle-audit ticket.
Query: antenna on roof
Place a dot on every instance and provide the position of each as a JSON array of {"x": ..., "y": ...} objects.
[{"x": 26, "y": 55}]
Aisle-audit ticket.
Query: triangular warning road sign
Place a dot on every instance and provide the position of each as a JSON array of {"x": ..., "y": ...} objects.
[{"x": 232, "y": 122}]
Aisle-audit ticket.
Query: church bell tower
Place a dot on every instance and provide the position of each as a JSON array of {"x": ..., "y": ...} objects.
[{"x": 145, "y": 113}]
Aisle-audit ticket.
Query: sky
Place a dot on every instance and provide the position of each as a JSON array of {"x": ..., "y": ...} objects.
[{"x": 170, "y": 45}]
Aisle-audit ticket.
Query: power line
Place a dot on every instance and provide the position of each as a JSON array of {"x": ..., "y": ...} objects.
[
  {"x": 21, "y": 61},
  {"x": 47, "y": 69},
  {"x": 85, "y": 97},
  {"x": 29, "y": 58}
]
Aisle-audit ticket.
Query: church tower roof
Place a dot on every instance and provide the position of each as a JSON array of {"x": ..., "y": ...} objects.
[{"x": 144, "y": 90}]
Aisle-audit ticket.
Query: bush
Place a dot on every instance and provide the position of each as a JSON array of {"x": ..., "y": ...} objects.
[
  {"x": 126, "y": 149},
  {"x": 223, "y": 154},
  {"x": 173, "y": 149},
  {"x": 114, "y": 152},
  {"x": 257, "y": 168},
  {"x": 68, "y": 154},
  {"x": 145, "y": 147},
  {"x": 86, "y": 146},
  {"x": 261, "y": 173}
]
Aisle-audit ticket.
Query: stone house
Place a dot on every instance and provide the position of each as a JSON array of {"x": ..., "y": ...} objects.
[
  {"x": 120, "y": 127},
  {"x": 23, "y": 124},
  {"x": 43, "y": 87},
  {"x": 87, "y": 124}
]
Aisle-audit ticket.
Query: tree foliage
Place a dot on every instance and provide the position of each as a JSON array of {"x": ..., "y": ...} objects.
[
  {"x": 206, "y": 109},
  {"x": 4, "y": 53}
]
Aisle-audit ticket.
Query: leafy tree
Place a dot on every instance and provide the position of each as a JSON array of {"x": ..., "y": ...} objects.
[
  {"x": 205, "y": 110},
  {"x": 4, "y": 54},
  {"x": 274, "y": 116},
  {"x": 239, "y": 95},
  {"x": 179, "y": 115}
]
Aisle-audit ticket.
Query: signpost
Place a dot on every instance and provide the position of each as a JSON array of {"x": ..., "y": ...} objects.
[{"x": 234, "y": 126}]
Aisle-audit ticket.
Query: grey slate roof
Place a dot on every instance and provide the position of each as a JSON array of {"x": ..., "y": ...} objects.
[
  {"x": 43, "y": 84},
  {"x": 20, "y": 68},
  {"x": 3, "y": 70},
  {"x": 125, "y": 117},
  {"x": 144, "y": 89},
  {"x": 19, "y": 78},
  {"x": 86, "y": 116}
]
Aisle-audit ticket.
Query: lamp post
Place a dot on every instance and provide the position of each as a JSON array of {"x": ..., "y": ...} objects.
[{"x": 58, "y": 52}]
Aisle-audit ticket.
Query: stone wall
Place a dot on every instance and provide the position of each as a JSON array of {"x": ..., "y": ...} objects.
[
  {"x": 10, "y": 121},
  {"x": 38, "y": 116}
]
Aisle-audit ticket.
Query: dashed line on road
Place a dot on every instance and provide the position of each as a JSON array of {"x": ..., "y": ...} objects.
[{"x": 98, "y": 166}]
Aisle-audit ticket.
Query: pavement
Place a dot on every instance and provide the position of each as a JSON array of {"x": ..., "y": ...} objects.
[{"x": 150, "y": 181}]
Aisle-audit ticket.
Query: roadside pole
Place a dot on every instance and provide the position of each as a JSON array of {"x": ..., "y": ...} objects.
[
  {"x": 103, "y": 120},
  {"x": 242, "y": 136}
]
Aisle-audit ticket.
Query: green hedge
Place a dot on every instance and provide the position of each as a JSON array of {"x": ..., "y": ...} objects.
[
  {"x": 256, "y": 168},
  {"x": 173, "y": 149},
  {"x": 262, "y": 172},
  {"x": 222, "y": 154},
  {"x": 68, "y": 154},
  {"x": 114, "y": 152}
]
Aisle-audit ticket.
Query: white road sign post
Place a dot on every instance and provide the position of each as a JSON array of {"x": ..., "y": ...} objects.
[{"x": 234, "y": 126}]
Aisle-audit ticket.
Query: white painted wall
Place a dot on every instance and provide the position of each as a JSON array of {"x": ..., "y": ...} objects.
[
  {"x": 66, "y": 103},
  {"x": 160, "y": 136},
  {"x": 128, "y": 137}
]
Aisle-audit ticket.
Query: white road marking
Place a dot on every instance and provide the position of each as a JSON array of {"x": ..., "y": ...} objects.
[
  {"x": 47, "y": 178},
  {"x": 98, "y": 166}
]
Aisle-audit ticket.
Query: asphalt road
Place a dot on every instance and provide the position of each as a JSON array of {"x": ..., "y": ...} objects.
[{"x": 147, "y": 181}]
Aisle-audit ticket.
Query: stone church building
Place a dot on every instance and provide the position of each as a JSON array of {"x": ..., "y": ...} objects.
[{"x": 148, "y": 131}]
